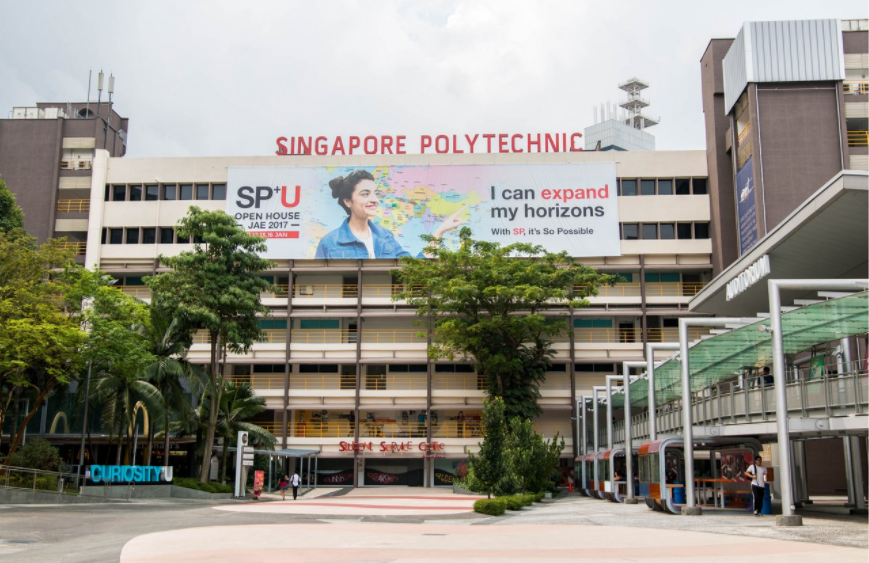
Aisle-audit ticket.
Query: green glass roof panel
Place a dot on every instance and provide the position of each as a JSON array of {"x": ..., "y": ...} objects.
[{"x": 722, "y": 357}]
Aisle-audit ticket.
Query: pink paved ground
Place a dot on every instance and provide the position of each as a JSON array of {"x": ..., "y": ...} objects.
[
  {"x": 363, "y": 505},
  {"x": 421, "y": 543}
]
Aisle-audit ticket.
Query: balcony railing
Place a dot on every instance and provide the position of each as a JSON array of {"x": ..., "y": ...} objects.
[
  {"x": 653, "y": 289},
  {"x": 76, "y": 164},
  {"x": 856, "y": 86},
  {"x": 858, "y": 138},
  {"x": 73, "y": 205},
  {"x": 79, "y": 248},
  {"x": 140, "y": 291},
  {"x": 345, "y": 291},
  {"x": 389, "y": 429}
]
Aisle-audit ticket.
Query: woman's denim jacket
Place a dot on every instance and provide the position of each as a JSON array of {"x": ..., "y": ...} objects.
[{"x": 342, "y": 243}]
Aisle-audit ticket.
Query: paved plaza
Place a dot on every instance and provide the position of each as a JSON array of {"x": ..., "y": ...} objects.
[{"x": 396, "y": 524}]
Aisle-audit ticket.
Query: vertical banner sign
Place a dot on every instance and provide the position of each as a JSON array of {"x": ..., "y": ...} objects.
[
  {"x": 747, "y": 207},
  {"x": 346, "y": 212}
]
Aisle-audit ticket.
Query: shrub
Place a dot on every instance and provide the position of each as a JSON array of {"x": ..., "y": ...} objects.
[
  {"x": 528, "y": 499},
  {"x": 212, "y": 487},
  {"x": 514, "y": 502},
  {"x": 35, "y": 454},
  {"x": 492, "y": 507},
  {"x": 538, "y": 497}
]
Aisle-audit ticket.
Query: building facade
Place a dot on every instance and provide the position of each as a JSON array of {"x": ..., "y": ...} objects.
[
  {"x": 786, "y": 108},
  {"x": 344, "y": 368}
]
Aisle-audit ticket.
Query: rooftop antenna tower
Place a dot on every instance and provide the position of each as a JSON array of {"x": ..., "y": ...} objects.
[{"x": 635, "y": 103}]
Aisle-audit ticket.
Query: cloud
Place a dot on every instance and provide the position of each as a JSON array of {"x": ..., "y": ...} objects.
[{"x": 227, "y": 78}]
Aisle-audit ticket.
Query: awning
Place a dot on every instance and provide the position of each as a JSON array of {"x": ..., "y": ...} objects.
[{"x": 722, "y": 357}]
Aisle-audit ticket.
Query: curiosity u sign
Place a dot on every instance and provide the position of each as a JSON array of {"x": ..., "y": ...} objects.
[{"x": 361, "y": 212}]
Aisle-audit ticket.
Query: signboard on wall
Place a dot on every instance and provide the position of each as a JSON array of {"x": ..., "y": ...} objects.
[
  {"x": 746, "y": 207},
  {"x": 351, "y": 212}
]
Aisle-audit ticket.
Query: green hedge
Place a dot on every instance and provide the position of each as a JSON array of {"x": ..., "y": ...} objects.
[
  {"x": 528, "y": 499},
  {"x": 492, "y": 507},
  {"x": 514, "y": 502},
  {"x": 538, "y": 497},
  {"x": 212, "y": 487}
]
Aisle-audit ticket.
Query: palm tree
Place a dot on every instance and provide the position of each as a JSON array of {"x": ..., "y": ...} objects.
[
  {"x": 121, "y": 395},
  {"x": 237, "y": 405},
  {"x": 169, "y": 343}
]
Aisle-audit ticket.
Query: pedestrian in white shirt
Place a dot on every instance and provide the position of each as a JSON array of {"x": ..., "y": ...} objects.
[
  {"x": 757, "y": 473},
  {"x": 295, "y": 481}
]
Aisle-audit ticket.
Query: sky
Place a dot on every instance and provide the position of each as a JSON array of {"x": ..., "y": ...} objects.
[{"x": 215, "y": 78}]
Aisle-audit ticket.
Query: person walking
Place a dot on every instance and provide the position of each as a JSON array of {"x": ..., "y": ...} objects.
[
  {"x": 757, "y": 473},
  {"x": 295, "y": 482},
  {"x": 282, "y": 486}
]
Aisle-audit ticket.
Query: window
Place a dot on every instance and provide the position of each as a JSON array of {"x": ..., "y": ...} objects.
[
  {"x": 116, "y": 236},
  {"x": 670, "y": 322},
  {"x": 108, "y": 192},
  {"x": 647, "y": 187},
  {"x": 199, "y": 240},
  {"x": 650, "y": 232},
  {"x": 201, "y": 191},
  {"x": 683, "y": 230},
  {"x": 629, "y": 277},
  {"x": 701, "y": 230},
  {"x": 596, "y": 368},
  {"x": 325, "y": 324},
  {"x": 452, "y": 368},
  {"x": 317, "y": 368},
  {"x": 407, "y": 368},
  {"x": 557, "y": 368},
  {"x": 169, "y": 192},
  {"x": 152, "y": 193},
  {"x": 149, "y": 235},
  {"x": 629, "y": 187},
  {"x": 167, "y": 235},
  {"x": 218, "y": 191},
  {"x": 186, "y": 192},
  {"x": 133, "y": 236},
  {"x": 630, "y": 231},
  {"x": 181, "y": 240},
  {"x": 135, "y": 193},
  {"x": 119, "y": 193},
  {"x": 683, "y": 186},
  {"x": 592, "y": 323},
  {"x": 665, "y": 187},
  {"x": 105, "y": 231},
  {"x": 270, "y": 368},
  {"x": 668, "y": 231},
  {"x": 699, "y": 186}
]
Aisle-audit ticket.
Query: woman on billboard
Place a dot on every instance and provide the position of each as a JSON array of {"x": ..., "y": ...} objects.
[{"x": 358, "y": 236}]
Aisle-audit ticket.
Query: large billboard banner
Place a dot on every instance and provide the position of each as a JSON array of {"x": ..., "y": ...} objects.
[{"x": 358, "y": 212}]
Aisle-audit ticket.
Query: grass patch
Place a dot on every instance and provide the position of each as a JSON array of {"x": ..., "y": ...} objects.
[{"x": 213, "y": 487}]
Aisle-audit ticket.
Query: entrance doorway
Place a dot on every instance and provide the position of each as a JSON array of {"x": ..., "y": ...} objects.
[{"x": 408, "y": 472}]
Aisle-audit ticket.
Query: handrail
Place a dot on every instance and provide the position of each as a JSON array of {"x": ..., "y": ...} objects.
[
  {"x": 27, "y": 478},
  {"x": 78, "y": 247},
  {"x": 76, "y": 164},
  {"x": 856, "y": 86},
  {"x": 858, "y": 138},
  {"x": 73, "y": 205},
  {"x": 135, "y": 290}
]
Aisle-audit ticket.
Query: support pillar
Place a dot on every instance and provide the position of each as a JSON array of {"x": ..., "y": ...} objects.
[{"x": 854, "y": 473}]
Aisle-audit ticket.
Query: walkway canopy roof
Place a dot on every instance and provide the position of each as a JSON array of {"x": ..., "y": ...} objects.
[
  {"x": 722, "y": 357},
  {"x": 827, "y": 236}
]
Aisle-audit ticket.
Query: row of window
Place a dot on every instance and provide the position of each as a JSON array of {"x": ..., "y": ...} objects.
[
  {"x": 662, "y": 186},
  {"x": 145, "y": 235},
  {"x": 664, "y": 231},
  {"x": 188, "y": 192},
  {"x": 409, "y": 368},
  {"x": 166, "y": 192},
  {"x": 629, "y": 231}
]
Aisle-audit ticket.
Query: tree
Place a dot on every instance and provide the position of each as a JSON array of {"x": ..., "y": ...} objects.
[
  {"x": 488, "y": 467},
  {"x": 487, "y": 302},
  {"x": 11, "y": 216},
  {"x": 238, "y": 405},
  {"x": 40, "y": 345},
  {"x": 117, "y": 350},
  {"x": 531, "y": 459},
  {"x": 215, "y": 287}
]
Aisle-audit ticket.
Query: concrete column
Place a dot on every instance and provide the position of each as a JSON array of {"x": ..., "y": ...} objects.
[{"x": 854, "y": 472}]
